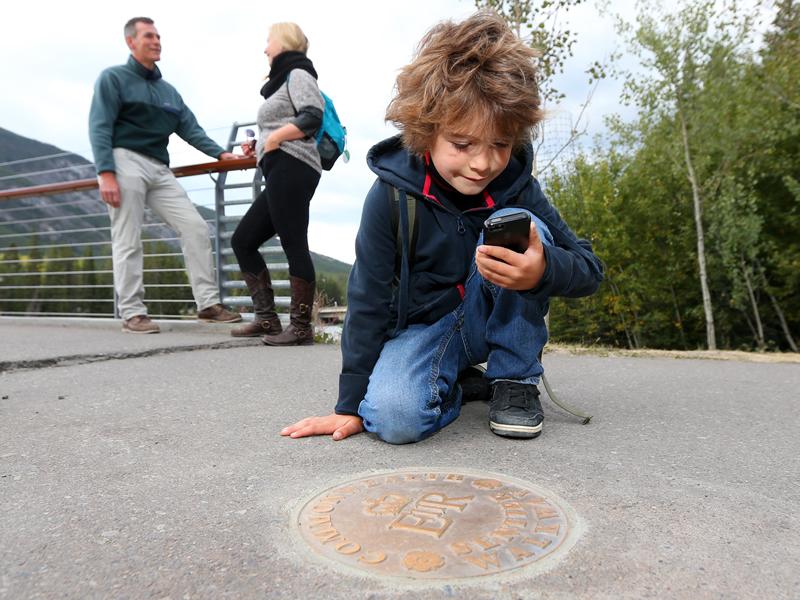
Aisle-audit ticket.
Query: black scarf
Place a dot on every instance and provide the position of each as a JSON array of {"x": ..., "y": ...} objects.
[{"x": 281, "y": 65}]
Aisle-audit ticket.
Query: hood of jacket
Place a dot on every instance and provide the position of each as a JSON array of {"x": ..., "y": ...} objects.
[{"x": 395, "y": 165}]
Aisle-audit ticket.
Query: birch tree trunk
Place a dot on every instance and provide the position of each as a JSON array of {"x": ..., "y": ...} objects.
[
  {"x": 623, "y": 322},
  {"x": 711, "y": 335},
  {"x": 759, "y": 332},
  {"x": 779, "y": 312},
  {"x": 678, "y": 318}
]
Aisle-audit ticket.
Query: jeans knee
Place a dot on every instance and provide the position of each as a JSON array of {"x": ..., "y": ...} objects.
[
  {"x": 393, "y": 421},
  {"x": 399, "y": 433}
]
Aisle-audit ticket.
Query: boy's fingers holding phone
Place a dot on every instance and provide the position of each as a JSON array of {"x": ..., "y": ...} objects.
[
  {"x": 534, "y": 241},
  {"x": 512, "y": 270},
  {"x": 498, "y": 253},
  {"x": 496, "y": 264},
  {"x": 534, "y": 253}
]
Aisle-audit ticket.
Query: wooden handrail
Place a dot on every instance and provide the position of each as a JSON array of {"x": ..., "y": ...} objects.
[{"x": 78, "y": 185}]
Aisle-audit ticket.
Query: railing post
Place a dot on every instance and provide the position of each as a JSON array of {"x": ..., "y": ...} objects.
[{"x": 219, "y": 211}]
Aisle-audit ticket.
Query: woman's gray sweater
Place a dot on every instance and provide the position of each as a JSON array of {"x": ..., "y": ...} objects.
[{"x": 279, "y": 109}]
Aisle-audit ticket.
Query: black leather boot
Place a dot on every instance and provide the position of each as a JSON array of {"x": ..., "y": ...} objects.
[
  {"x": 266, "y": 320},
  {"x": 300, "y": 331}
]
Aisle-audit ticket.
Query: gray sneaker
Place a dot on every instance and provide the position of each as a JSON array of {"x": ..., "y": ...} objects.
[
  {"x": 139, "y": 324},
  {"x": 515, "y": 410}
]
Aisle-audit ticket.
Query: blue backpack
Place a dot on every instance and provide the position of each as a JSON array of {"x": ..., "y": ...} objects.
[{"x": 331, "y": 136}]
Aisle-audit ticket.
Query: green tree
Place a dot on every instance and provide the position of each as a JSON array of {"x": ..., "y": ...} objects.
[
  {"x": 10, "y": 278},
  {"x": 686, "y": 56},
  {"x": 737, "y": 227},
  {"x": 331, "y": 289},
  {"x": 539, "y": 24},
  {"x": 774, "y": 144},
  {"x": 634, "y": 200}
]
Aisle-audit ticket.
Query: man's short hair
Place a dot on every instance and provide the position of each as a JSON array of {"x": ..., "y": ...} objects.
[
  {"x": 474, "y": 72},
  {"x": 130, "y": 26}
]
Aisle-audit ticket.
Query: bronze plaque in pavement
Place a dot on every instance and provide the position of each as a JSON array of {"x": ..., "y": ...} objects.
[{"x": 435, "y": 524}]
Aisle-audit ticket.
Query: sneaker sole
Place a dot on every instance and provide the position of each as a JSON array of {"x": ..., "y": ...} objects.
[
  {"x": 516, "y": 431},
  {"x": 124, "y": 330}
]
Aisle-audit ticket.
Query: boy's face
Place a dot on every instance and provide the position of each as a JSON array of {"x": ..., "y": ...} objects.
[{"x": 469, "y": 160}]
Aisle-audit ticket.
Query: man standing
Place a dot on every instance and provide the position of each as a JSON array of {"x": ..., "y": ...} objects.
[{"x": 133, "y": 113}]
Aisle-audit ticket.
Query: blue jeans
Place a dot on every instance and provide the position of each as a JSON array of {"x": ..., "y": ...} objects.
[{"x": 412, "y": 391}]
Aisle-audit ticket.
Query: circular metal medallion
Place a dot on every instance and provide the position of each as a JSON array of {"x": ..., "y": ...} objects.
[{"x": 433, "y": 524}]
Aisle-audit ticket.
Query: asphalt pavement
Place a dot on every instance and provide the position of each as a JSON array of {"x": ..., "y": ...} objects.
[{"x": 152, "y": 467}]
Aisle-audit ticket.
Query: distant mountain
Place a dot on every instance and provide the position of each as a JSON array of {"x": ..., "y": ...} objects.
[
  {"x": 85, "y": 210},
  {"x": 61, "y": 167}
]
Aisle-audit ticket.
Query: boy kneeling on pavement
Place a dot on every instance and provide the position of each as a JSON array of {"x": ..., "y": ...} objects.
[{"x": 466, "y": 107}]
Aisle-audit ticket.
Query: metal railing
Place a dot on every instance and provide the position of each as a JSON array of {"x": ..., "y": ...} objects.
[{"x": 55, "y": 242}]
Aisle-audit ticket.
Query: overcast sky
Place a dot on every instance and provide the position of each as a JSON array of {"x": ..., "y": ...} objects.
[{"x": 213, "y": 54}]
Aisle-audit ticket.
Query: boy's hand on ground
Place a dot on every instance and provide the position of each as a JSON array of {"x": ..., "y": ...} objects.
[
  {"x": 341, "y": 426},
  {"x": 512, "y": 270}
]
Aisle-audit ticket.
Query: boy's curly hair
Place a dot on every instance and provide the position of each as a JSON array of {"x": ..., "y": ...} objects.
[{"x": 475, "y": 72}]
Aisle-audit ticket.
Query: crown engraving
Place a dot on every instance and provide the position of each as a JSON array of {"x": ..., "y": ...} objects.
[{"x": 390, "y": 504}]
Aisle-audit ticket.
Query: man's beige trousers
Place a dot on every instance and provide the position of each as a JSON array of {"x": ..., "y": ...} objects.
[{"x": 145, "y": 182}]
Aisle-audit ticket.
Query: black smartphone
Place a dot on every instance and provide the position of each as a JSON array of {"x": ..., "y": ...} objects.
[{"x": 511, "y": 231}]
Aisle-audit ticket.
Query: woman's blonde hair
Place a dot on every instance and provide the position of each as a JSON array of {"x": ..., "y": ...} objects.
[
  {"x": 475, "y": 73},
  {"x": 290, "y": 36}
]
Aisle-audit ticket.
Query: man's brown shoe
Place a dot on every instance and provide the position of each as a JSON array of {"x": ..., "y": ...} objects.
[
  {"x": 139, "y": 324},
  {"x": 218, "y": 314}
]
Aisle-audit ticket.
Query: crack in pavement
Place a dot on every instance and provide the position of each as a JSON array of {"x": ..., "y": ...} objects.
[{"x": 83, "y": 359}]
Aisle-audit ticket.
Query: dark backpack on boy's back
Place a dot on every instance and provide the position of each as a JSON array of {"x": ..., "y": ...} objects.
[{"x": 331, "y": 136}]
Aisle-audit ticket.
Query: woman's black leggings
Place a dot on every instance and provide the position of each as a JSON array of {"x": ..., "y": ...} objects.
[{"x": 281, "y": 208}]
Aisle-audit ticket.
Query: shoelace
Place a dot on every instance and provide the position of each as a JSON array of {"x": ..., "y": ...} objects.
[{"x": 518, "y": 397}]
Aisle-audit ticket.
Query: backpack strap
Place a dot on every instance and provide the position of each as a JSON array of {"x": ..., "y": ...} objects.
[
  {"x": 405, "y": 225},
  {"x": 396, "y": 198},
  {"x": 413, "y": 227}
]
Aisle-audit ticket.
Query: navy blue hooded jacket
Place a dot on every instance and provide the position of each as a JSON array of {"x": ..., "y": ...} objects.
[{"x": 444, "y": 251}]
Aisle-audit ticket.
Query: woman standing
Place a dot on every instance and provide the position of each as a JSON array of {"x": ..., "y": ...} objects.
[{"x": 287, "y": 156}]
